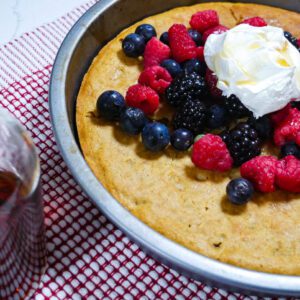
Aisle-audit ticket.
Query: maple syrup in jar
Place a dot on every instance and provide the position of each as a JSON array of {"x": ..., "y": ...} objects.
[{"x": 22, "y": 239}]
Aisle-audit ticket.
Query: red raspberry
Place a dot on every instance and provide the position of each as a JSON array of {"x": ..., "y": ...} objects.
[
  {"x": 157, "y": 78},
  {"x": 182, "y": 45},
  {"x": 255, "y": 21},
  {"x": 298, "y": 43},
  {"x": 211, "y": 153},
  {"x": 200, "y": 53},
  {"x": 289, "y": 129},
  {"x": 142, "y": 97},
  {"x": 204, "y": 20},
  {"x": 211, "y": 81},
  {"x": 288, "y": 174},
  {"x": 217, "y": 30},
  {"x": 155, "y": 53},
  {"x": 280, "y": 115},
  {"x": 260, "y": 171}
]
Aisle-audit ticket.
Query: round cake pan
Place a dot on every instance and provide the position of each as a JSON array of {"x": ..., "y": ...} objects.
[{"x": 98, "y": 25}]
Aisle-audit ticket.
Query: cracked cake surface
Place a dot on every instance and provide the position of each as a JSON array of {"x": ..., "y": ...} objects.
[{"x": 164, "y": 189}]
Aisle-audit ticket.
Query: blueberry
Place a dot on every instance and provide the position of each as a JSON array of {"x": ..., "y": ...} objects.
[
  {"x": 110, "y": 104},
  {"x": 164, "y": 38},
  {"x": 194, "y": 65},
  {"x": 239, "y": 191},
  {"x": 133, "y": 45},
  {"x": 263, "y": 126},
  {"x": 218, "y": 116},
  {"x": 155, "y": 136},
  {"x": 133, "y": 120},
  {"x": 290, "y": 148},
  {"x": 182, "y": 139},
  {"x": 172, "y": 67},
  {"x": 147, "y": 31},
  {"x": 196, "y": 36}
]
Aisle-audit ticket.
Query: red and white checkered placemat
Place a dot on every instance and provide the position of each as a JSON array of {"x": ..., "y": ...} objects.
[{"x": 88, "y": 257}]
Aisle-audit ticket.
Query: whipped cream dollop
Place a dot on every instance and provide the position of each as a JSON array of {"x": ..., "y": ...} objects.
[{"x": 256, "y": 64}]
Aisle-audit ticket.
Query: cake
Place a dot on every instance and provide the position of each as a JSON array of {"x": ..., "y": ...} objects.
[{"x": 164, "y": 189}]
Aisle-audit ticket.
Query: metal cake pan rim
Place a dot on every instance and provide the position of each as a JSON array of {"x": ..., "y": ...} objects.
[{"x": 174, "y": 255}]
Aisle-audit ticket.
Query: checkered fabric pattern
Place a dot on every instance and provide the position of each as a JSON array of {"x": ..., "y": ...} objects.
[{"x": 88, "y": 257}]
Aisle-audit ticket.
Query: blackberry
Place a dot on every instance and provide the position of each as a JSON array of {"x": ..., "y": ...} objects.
[
  {"x": 184, "y": 87},
  {"x": 243, "y": 143},
  {"x": 192, "y": 115},
  {"x": 291, "y": 39},
  {"x": 235, "y": 107},
  {"x": 263, "y": 126}
]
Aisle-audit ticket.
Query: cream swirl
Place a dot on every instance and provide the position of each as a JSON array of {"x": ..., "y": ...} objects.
[{"x": 257, "y": 64}]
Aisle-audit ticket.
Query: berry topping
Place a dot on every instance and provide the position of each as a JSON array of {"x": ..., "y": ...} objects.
[
  {"x": 164, "y": 38},
  {"x": 288, "y": 174},
  {"x": 182, "y": 45},
  {"x": 147, "y": 31},
  {"x": 255, "y": 21},
  {"x": 156, "y": 77},
  {"x": 210, "y": 153},
  {"x": 155, "y": 136},
  {"x": 243, "y": 143},
  {"x": 172, "y": 66},
  {"x": 133, "y": 45},
  {"x": 293, "y": 40},
  {"x": 182, "y": 139},
  {"x": 280, "y": 115},
  {"x": 263, "y": 126},
  {"x": 184, "y": 87},
  {"x": 289, "y": 129},
  {"x": 196, "y": 36},
  {"x": 211, "y": 81},
  {"x": 290, "y": 148},
  {"x": 260, "y": 171},
  {"x": 235, "y": 107},
  {"x": 214, "y": 30},
  {"x": 110, "y": 104},
  {"x": 194, "y": 65},
  {"x": 217, "y": 116},
  {"x": 191, "y": 115},
  {"x": 133, "y": 120},
  {"x": 200, "y": 53},
  {"x": 204, "y": 20},
  {"x": 155, "y": 53},
  {"x": 239, "y": 191},
  {"x": 142, "y": 97}
]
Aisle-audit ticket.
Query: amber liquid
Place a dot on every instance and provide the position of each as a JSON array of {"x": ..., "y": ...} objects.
[{"x": 22, "y": 240}]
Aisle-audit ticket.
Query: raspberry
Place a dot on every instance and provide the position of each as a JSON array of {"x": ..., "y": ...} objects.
[
  {"x": 200, "y": 53},
  {"x": 156, "y": 77},
  {"x": 211, "y": 81},
  {"x": 142, "y": 97},
  {"x": 210, "y": 153},
  {"x": 204, "y": 20},
  {"x": 288, "y": 174},
  {"x": 288, "y": 130},
  {"x": 260, "y": 171},
  {"x": 298, "y": 43},
  {"x": 280, "y": 115},
  {"x": 216, "y": 30},
  {"x": 155, "y": 53},
  {"x": 255, "y": 21},
  {"x": 182, "y": 45}
]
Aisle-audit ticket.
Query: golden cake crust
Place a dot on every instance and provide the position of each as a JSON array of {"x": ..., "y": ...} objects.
[{"x": 162, "y": 189}]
